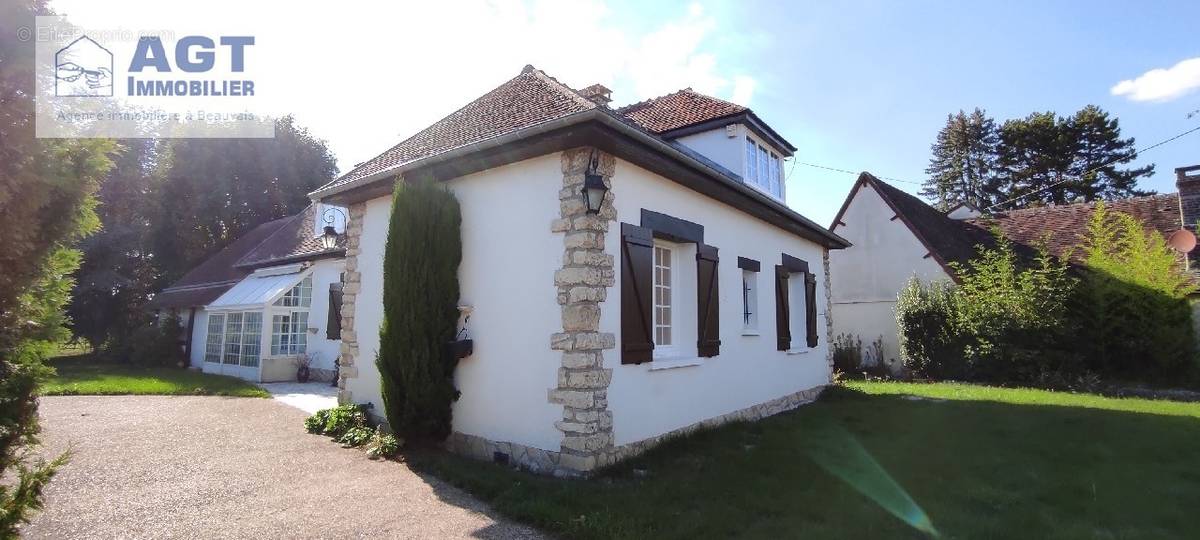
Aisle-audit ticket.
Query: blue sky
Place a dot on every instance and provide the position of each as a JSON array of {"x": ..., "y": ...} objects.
[{"x": 859, "y": 86}]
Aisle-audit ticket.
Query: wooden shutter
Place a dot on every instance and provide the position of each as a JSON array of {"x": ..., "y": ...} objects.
[
  {"x": 637, "y": 286},
  {"x": 810, "y": 308},
  {"x": 708, "y": 303},
  {"x": 333, "y": 323},
  {"x": 783, "y": 325}
]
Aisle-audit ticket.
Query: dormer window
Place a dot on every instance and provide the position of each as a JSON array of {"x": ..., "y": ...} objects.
[{"x": 762, "y": 168}]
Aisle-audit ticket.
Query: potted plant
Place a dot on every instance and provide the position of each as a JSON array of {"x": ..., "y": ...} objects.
[{"x": 303, "y": 365}]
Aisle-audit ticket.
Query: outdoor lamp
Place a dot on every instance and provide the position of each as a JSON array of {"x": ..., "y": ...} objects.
[
  {"x": 593, "y": 192},
  {"x": 329, "y": 239}
]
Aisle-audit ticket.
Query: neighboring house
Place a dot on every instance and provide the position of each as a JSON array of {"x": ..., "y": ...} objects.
[
  {"x": 691, "y": 296},
  {"x": 254, "y": 307},
  {"x": 897, "y": 236}
]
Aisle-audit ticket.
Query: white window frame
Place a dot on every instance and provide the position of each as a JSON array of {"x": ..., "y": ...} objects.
[
  {"x": 797, "y": 311},
  {"x": 764, "y": 168},
  {"x": 664, "y": 297},
  {"x": 749, "y": 303},
  {"x": 245, "y": 351},
  {"x": 289, "y": 319}
]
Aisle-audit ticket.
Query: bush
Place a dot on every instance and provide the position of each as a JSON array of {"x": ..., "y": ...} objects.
[
  {"x": 356, "y": 436},
  {"x": 850, "y": 359},
  {"x": 383, "y": 445},
  {"x": 342, "y": 418},
  {"x": 1136, "y": 318},
  {"x": 420, "y": 298},
  {"x": 316, "y": 422},
  {"x": 929, "y": 341}
]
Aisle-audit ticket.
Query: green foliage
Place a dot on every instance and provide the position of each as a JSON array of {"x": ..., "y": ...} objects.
[
  {"x": 356, "y": 436},
  {"x": 926, "y": 317},
  {"x": 851, "y": 360},
  {"x": 46, "y": 205},
  {"x": 343, "y": 418},
  {"x": 383, "y": 445},
  {"x": 315, "y": 423},
  {"x": 1014, "y": 316},
  {"x": 1043, "y": 157},
  {"x": 157, "y": 343},
  {"x": 1137, "y": 320},
  {"x": 1006, "y": 321},
  {"x": 420, "y": 296},
  {"x": 963, "y": 161}
]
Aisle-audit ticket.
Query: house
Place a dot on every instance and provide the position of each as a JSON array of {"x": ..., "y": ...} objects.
[
  {"x": 896, "y": 236},
  {"x": 256, "y": 306},
  {"x": 686, "y": 294}
]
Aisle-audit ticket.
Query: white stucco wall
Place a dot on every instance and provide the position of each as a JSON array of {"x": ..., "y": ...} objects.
[
  {"x": 717, "y": 145},
  {"x": 199, "y": 333},
  {"x": 867, "y": 276},
  {"x": 647, "y": 401},
  {"x": 507, "y": 275}
]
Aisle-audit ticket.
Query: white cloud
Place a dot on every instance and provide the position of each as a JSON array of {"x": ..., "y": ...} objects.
[
  {"x": 1162, "y": 84},
  {"x": 366, "y": 74}
]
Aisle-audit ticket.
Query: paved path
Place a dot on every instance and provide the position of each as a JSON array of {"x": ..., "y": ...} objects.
[
  {"x": 214, "y": 467},
  {"x": 309, "y": 397}
]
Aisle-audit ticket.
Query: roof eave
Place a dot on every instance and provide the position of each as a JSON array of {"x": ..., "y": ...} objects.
[{"x": 607, "y": 119}]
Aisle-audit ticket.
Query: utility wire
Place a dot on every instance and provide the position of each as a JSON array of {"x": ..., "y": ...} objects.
[
  {"x": 1096, "y": 168},
  {"x": 847, "y": 171}
]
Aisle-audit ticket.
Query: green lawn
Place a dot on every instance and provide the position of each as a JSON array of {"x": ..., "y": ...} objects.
[
  {"x": 887, "y": 460},
  {"x": 81, "y": 376}
]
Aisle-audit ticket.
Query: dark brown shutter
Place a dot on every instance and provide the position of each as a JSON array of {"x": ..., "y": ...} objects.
[
  {"x": 333, "y": 325},
  {"x": 707, "y": 302},
  {"x": 810, "y": 308},
  {"x": 783, "y": 325},
  {"x": 637, "y": 288}
]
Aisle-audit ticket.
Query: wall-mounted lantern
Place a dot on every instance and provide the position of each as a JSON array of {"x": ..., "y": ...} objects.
[
  {"x": 330, "y": 237},
  {"x": 594, "y": 189}
]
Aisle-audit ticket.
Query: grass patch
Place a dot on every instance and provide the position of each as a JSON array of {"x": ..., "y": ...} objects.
[
  {"x": 79, "y": 376},
  {"x": 886, "y": 460}
]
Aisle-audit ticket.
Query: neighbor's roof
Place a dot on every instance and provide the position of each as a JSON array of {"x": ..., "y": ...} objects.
[
  {"x": 1061, "y": 228},
  {"x": 287, "y": 239}
]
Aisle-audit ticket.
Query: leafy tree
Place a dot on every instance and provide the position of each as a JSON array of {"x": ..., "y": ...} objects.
[
  {"x": 211, "y": 191},
  {"x": 420, "y": 296},
  {"x": 46, "y": 204},
  {"x": 1099, "y": 150},
  {"x": 963, "y": 161},
  {"x": 118, "y": 274},
  {"x": 1137, "y": 320}
]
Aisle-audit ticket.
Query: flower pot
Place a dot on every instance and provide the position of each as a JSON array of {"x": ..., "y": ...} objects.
[{"x": 302, "y": 374}]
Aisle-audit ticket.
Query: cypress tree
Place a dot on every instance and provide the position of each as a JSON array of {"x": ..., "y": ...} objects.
[{"x": 420, "y": 298}]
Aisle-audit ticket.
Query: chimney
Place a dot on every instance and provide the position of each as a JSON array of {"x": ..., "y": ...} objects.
[
  {"x": 598, "y": 94},
  {"x": 1187, "y": 180}
]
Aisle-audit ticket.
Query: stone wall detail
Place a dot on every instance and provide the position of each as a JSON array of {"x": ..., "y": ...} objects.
[
  {"x": 348, "y": 357},
  {"x": 582, "y": 283},
  {"x": 828, "y": 312}
]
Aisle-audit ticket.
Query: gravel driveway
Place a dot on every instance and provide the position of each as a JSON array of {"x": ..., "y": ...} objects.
[{"x": 213, "y": 467}]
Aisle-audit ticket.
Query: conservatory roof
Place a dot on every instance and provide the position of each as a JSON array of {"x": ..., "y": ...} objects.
[{"x": 260, "y": 288}]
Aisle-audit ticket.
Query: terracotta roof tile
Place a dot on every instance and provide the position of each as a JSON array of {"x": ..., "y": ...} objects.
[
  {"x": 526, "y": 100},
  {"x": 680, "y": 109},
  {"x": 1064, "y": 226}
]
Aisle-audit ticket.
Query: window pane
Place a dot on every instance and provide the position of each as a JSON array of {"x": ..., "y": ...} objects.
[
  {"x": 764, "y": 180},
  {"x": 775, "y": 184},
  {"x": 662, "y": 295},
  {"x": 251, "y": 338},
  {"x": 751, "y": 161},
  {"x": 212, "y": 345}
]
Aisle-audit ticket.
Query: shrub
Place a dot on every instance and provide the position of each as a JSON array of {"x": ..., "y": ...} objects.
[
  {"x": 342, "y": 418},
  {"x": 929, "y": 342},
  {"x": 1137, "y": 320},
  {"x": 383, "y": 445},
  {"x": 316, "y": 422},
  {"x": 420, "y": 297},
  {"x": 356, "y": 436},
  {"x": 853, "y": 361}
]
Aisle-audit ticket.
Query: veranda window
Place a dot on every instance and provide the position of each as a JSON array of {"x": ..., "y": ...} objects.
[
  {"x": 289, "y": 328},
  {"x": 234, "y": 338}
]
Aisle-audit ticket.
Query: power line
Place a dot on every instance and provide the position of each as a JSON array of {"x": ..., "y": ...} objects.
[
  {"x": 847, "y": 171},
  {"x": 1096, "y": 168}
]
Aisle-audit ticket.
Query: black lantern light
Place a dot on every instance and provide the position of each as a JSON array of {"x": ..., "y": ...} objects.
[
  {"x": 593, "y": 188},
  {"x": 330, "y": 237}
]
